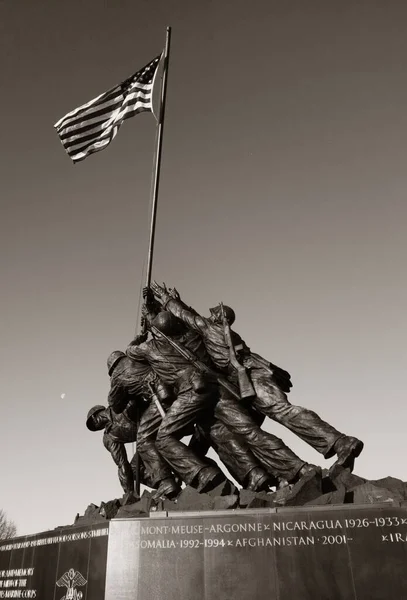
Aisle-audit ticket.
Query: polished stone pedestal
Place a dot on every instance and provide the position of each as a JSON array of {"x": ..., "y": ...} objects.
[
  {"x": 324, "y": 553},
  {"x": 345, "y": 552}
]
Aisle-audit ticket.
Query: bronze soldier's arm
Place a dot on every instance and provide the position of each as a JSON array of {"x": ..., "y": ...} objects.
[
  {"x": 137, "y": 351},
  {"x": 191, "y": 318},
  {"x": 152, "y": 305},
  {"x": 119, "y": 455},
  {"x": 174, "y": 294},
  {"x": 135, "y": 406},
  {"x": 179, "y": 309},
  {"x": 150, "y": 308}
]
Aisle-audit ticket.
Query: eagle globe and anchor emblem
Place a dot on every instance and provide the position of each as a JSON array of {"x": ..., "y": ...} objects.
[{"x": 71, "y": 580}]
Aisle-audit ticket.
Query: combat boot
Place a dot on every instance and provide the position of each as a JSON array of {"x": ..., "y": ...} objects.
[
  {"x": 308, "y": 468},
  {"x": 209, "y": 478},
  {"x": 305, "y": 470},
  {"x": 347, "y": 448},
  {"x": 258, "y": 480},
  {"x": 168, "y": 488}
]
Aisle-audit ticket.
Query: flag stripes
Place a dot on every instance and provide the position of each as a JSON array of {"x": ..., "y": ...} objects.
[{"x": 92, "y": 126}]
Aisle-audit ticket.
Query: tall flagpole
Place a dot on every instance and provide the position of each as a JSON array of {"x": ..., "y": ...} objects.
[
  {"x": 157, "y": 166},
  {"x": 155, "y": 189}
]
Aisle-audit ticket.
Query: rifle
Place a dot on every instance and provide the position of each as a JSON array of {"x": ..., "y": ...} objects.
[
  {"x": 245, "y": 385},
  {"x": 200, "y": 366},
  {"x": 156, "y": 399}
]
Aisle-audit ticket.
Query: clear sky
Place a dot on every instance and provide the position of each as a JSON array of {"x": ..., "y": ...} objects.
[{"x": 282, "y": 194}]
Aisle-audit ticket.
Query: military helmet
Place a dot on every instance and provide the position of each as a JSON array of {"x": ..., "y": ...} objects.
[
  {"x": 229, "y": 313},
  {"x": 168, "y": 323},
  {"x": 93, "y": 411},
  {"x": 113, "y": 359}
]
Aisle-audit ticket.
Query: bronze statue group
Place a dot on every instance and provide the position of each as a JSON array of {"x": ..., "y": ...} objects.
[{"x": 187, "y": 375}]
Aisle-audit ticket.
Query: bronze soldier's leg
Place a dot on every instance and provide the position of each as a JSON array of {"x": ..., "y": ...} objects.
[
  {"x": 178, "y": 421},
  {"x": 235, "y": 455},
  {"x": 270, "y": 451},
  {"x": 273, "y": 403},
  {"x": 156, "y": 468}
]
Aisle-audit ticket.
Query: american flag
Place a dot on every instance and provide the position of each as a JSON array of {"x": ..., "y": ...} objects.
[{"x": 93, "y": 126}]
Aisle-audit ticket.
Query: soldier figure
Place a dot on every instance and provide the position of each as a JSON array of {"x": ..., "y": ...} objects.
[
  {"x": 193, "y": 396},
  {"x": 118, "y": 431},
  {"x": 231, "y": 448},
  {"x": 271, "y": 452},
  {"x": 270, "y": 383},
  {"x": 122, "y": 420}
]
